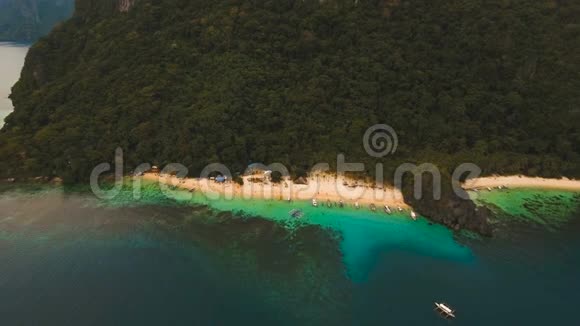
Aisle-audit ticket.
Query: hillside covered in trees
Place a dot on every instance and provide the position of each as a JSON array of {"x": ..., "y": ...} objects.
[
  {"x": 493, "y": 82},
  {"x": 27, "y": 20}
]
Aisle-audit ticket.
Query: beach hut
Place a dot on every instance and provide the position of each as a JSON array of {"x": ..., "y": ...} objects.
[
  {"x": 255, "y": 168},
  {"x": 257, "y": 173}
]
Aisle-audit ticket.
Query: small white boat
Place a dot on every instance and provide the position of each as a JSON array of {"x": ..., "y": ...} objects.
[
  {"x": 444, "y": 310},
  {"x": 356, "y": 205},
  {"x": 341, "y": 204},
  {"x": 373, "y": 207},
  {"x": 314, "y": 202},
  {"x": 388, "y": 210},
  {"x": 414, "y": 216},
  {"x": 400, "y": 209},
  {"x": 489, "y": 189}
]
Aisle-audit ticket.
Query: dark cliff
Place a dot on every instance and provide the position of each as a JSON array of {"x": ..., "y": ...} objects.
[{"x": 102, "y": 8}]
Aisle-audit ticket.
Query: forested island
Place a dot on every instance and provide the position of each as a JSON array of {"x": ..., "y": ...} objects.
[{"x": 297, "y": 82}]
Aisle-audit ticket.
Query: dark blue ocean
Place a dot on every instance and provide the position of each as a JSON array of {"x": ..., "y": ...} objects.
[{"x": 68, "y": 259}]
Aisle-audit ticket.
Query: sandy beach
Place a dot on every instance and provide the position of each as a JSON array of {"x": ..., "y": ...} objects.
[
  {"x": 323, "y": 188},
  {"x": 328, "y": 188},
  {"x": 522, "y": 182}
]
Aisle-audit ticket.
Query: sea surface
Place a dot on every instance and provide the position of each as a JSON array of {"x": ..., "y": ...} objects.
[
  {"x": 11, "y": 61},
  {"x": 68, "y": 258}
]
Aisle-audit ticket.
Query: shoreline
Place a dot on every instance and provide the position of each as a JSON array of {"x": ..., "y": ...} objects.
[
  {"x": 323, "y": 188},
  {"x": 520, "y": 181}
]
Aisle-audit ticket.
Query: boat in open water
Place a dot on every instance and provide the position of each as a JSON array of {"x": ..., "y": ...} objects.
[{"x": 444, "y": 310}]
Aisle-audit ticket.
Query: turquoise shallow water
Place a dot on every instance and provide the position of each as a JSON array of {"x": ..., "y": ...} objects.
[
  {"x": 362, "y": 231},
  {"x": 72, "y": 259}
]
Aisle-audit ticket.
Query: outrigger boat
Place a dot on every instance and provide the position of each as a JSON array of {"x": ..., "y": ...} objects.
[
  {"x": 414, "y": 216},
  {"x": 314, "y": 202},
  {"x": 388, "y": 210},
  {"x": 444, "y": 310}
]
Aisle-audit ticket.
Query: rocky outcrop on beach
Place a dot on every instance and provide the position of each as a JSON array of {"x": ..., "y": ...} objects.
[{"x": 451, "y": 209}]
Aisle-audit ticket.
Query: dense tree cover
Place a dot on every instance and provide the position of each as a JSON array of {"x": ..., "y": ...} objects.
[
  {"x": 495, "y": 82},
  {"x": 27, "y": 20}
]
